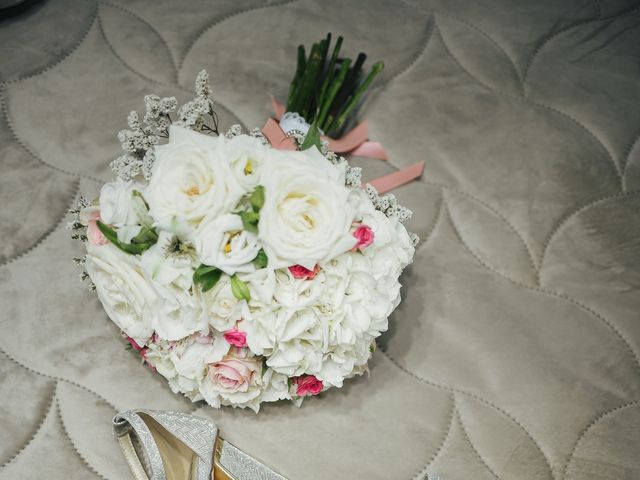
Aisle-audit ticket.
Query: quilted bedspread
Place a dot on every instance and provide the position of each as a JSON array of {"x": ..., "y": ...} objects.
[{"x": 516, "y": 351}]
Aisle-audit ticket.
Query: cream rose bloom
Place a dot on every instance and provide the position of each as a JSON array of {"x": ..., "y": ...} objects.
[
  {"x": 179, "y": 310},
  {"x": 191, "y": 181},
  {"x": 246, "y": 155},
  {"x": 308, "y": 210},
  {"x": 121, "y": 204},
  {"x": 223, "y": 243},
  {"x": 221, "y": 308},
  {"x": 127, "y": 295}
]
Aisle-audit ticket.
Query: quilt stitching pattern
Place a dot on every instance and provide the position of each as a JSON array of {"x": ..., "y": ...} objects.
[{"x": 519, "y": 258}]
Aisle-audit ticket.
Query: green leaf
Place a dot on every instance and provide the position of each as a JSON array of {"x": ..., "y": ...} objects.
[
  {"x": 249, "y": 221},
  {"x": 131, "y": 248},
  {"x": 210, "y": 280},
  {"x": 261, "y": 259},
  {"x": 312, "y": 138},
  {"x": 203, "y": 269},
  {"x": 206, "y": 277},
  {"x": 257, "y": 198},
  {"x": 146, "y": 235},
  {"x": 108, "y": 232},
  {"x": 240, "y": 289}
]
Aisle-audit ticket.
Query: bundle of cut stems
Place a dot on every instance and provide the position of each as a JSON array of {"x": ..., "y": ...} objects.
[{"x": 327, "y": 89}]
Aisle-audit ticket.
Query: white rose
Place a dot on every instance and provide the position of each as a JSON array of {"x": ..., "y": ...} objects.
[
  {"x": 263, "y": 327},
  {"x": 301, "y": 344},
  {"x": 192, "y": 360},
  {"x": 276, "y": 387},
  {"x": 245, "y": 155},
  {"x": 307, "y": 212},
  {"x": 221, "y": 308},
  {"x": 389, "y": 232},
  {"x": 121, "y": 204},
  {"x": 296, "y": 294},
  {"x": 191, "y": 181},
  {"x": 164, "y": 267},
  {"x": 127, "y": 296},
  {"x": 262, "y": 284},
  {"x": 179, "y": 310},
  {"x": 223, "y": 243}
]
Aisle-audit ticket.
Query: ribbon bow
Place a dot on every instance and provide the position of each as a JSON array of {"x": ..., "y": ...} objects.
[{"x": 355, "y": 142}]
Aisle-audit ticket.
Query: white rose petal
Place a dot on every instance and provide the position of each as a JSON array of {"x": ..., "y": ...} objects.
[
  {"x": 308, "y": 212},
  {"x": 246, "y": 156},
  {"x": 121, "y": 204},
  {"x": 223, "y": 243},
  {"x": 127, "y": 296},
  {"x": 191, "y": 181},
  {"x": 221, "y": 308}
]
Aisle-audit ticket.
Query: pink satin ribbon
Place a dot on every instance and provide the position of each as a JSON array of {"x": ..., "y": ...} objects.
[
  {"x": 389, "y": 182},
  {"x": 355, "y": 143}
]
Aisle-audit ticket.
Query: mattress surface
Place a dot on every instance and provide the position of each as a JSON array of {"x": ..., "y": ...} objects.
[{"x": 516, "y": 351}]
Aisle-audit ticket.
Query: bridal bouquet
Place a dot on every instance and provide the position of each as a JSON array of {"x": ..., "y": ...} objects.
[{"x": 241, "y": 273}]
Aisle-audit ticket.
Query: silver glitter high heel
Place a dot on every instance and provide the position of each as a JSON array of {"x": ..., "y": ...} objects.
[{"x": 162, "y": 445}]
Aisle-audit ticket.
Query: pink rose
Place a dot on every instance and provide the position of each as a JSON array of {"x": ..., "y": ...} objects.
[
  {"x": 94, "y": 234},
  {"x": 236, "y": 338},
  {"x": 308, "y": 385},
  {"x": 364, "y": 235},
  {"x": 298, "y": 271},
  {"x": 232, "y": 374}
]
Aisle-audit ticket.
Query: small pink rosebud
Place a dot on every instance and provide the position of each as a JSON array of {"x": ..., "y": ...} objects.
[
  {"x": 134, "y": 344},
  {"x": 94, "y": 235},
  {"x": 236, "y": 338},
  {"x": 298, "y": 271},
  {"x": 364, "y": 235},
  {"x": 308, "y": 385}
]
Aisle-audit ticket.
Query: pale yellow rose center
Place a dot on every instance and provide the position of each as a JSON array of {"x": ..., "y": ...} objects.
[{"x": 192, "y": 191}]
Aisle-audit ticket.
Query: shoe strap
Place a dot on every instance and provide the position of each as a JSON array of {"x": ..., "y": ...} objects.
[
  {"x": 122, "y": 425},
  {"x": 132, "y": 457}
]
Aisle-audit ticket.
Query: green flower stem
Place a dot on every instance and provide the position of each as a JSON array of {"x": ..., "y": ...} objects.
[
  {"x": 355, "y": 98},
  {"x": 302, "y": 60},
  {"x": 349, "y": 86},
  {"x": 316, "y": 71},
  {"x": 329, "y": 73},
  {"x": 308, "y": 82},
  {"x": 333, "y": 91},
  {"x": 297, "y": 98}
]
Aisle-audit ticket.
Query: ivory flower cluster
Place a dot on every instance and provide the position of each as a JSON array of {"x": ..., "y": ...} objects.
[{"x": 245, "y": 274}]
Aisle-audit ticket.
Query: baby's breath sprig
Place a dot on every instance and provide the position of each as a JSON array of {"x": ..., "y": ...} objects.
[
  {"x": 193, "y": 114},
  {"x": 140, "y": 138},
  {"x": 76, "y": 226},
  {"x": 388, "y": 204},
  {"x": 138, "y": 141}
]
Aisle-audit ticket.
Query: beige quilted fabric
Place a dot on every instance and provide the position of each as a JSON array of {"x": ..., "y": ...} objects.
[{"x": 516, "y": 352}]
